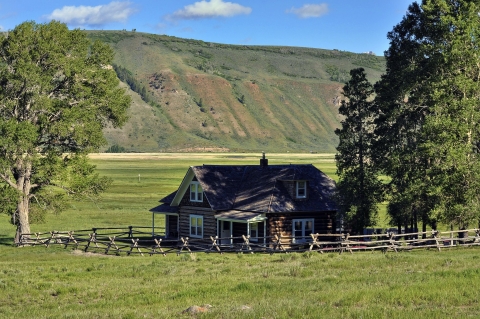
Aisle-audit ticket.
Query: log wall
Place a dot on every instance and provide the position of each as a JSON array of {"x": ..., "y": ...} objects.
[
  {"x": 281, "y": 223},
  {"x": 209, "y": 221}
]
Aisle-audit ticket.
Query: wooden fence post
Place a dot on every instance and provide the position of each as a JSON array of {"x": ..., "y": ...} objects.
[
  {"x": 393, "y": 243},
  {"x": 71, "y": 238},
  {"x": 112, "y": 242},
  {"x": 346, "y": 244},
  {"x": 477, "y": 236},
  {"x": 130, "y": 231},
  {"x": 93, "y": 238},
  {"x": 315, "y": 242},
  {"x": 134, "y": 245},
  {"x": 435, "y": 236},
  {"x": 277, "y": 244},
  {"x": 158, "y": 242},
  {"x": 214, "y": 244},
  {"x": 185, "y": 245},
  {"x": 246, "y": 244}
]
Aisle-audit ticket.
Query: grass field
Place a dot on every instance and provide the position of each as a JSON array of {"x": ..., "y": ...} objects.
[{"x": 37, "y": 282}]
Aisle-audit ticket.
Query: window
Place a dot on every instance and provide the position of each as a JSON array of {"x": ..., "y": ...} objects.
[
  {"x": 254, "y": 232},
  {"x": 196, "y": 192},
  {"x": 196, "y": 226},
  {"x": 301, "y": 189},
  {"x": 302, "y": 228}
]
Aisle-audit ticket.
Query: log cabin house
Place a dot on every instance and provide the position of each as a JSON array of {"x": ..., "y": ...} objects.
[{"x": 257, "y": 200}]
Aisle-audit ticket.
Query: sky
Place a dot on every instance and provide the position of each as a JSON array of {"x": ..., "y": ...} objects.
[{"x": 348, "y": 25}]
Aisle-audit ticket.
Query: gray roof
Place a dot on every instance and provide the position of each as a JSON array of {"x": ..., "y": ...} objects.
[
  {"x": 165, "y": 208},
  {"x": 254, "y": 188}
]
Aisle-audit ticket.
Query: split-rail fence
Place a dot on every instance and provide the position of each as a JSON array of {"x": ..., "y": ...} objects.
[{"x": 133, "y": 240}]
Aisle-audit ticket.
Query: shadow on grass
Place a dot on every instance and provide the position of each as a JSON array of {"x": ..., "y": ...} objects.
[{"x": 6, "y": 240}]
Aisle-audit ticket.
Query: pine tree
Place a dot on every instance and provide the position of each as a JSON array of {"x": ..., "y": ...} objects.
[
  {"x": 429, "y": 115},
  {"x": 359, "y": 187}
]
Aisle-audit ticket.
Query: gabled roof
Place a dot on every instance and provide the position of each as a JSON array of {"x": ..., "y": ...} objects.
[{"x": 255, "y": 188}]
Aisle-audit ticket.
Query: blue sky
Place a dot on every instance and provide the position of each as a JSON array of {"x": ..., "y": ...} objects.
[{"x": 350, "y": 25}]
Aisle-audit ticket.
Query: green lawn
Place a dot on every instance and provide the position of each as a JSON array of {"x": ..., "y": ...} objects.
[{"x": 38, "y": 282}]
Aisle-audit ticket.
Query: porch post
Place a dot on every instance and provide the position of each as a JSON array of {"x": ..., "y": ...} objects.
[
  {"x": 248, "y": 228},
  {"x": 218, "y": 228},
  {"x": 264, "y": 232},
  {"x": 178, "y": 227},
  {"x": 167, "y": 225},
  {"x": 231, "y": 233}
]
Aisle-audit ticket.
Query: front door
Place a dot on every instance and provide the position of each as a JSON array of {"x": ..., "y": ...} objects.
[{"x": 225, "y": 232}]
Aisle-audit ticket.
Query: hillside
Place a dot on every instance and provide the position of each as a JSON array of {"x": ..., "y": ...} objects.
[{"x": 208, "y": 96}]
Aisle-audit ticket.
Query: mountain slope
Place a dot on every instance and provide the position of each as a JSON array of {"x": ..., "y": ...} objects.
[{"x": 208, "y": 96}]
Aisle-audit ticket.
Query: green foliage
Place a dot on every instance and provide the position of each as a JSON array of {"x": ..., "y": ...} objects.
[
  {"x": 336, "y": 74},
  {"x": 115, "y": 149},
  {"x": 110, "y": 36},
  {"x": 199, "y": 102},
  {"x": 241, "y": 99},
  {"x": 428, "y": 129},
  {"x": 57, "y": 93},
  {"x": 9, "y": 199},
  {"x": 359, "y": 189},
  {"x": 126, "y": 76}
]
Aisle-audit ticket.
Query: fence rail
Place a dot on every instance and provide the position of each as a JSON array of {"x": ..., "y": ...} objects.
[{"x": 132, "y": 240}]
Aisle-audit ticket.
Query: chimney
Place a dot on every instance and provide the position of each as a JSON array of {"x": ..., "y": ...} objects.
[{"x": 263, "y": 161}]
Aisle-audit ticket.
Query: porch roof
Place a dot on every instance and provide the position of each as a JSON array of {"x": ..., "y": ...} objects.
[
  {"x": 240, "y": 216},
  {"x": 165, "y": 209}
]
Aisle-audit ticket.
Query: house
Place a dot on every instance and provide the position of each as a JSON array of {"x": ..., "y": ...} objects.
[{"x": 257, "y": 200}]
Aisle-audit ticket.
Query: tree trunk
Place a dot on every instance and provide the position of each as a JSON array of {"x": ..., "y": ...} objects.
[
  {"x": 23, "y": 224},
  {"x": 24, "y": 171},
  {"x": 424, "y": 227}
]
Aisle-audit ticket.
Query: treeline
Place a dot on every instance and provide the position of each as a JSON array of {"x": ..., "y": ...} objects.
[
  {"x": 419, "y": 126},
  {"x": 127, "y": 77},
  {"x": 115, "y": 149}
]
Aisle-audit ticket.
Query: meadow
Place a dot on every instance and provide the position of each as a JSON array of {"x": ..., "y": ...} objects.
[{"x": 38, "y": 282}]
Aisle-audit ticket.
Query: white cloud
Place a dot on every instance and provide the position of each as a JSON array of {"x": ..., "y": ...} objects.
[
  {"x": 210, "y": 9},
  {"x": 310, "y": 10},
  {"x": 93, "y": 16}
]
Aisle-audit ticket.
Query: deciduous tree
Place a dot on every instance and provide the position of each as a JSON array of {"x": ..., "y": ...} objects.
[{"x": 57, "y": 92}]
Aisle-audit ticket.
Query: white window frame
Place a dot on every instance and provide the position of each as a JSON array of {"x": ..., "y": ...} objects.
[
  {"x": 304, "y": 223},
  {"x": 194, "y": 190},
  {"x": 195, "y": 233},
  {"x": 298, "y": 187},
  {"x": 253, "y": 228}
]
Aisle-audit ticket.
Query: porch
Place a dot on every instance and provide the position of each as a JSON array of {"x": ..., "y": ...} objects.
[{"x": 233, "y": 224}]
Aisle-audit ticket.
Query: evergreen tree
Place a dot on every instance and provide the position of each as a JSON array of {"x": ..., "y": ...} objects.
[
  {"x": 429, "y": 115},
  {"x": 57, "y": 93},
  {"x": 359, "y": 187}
]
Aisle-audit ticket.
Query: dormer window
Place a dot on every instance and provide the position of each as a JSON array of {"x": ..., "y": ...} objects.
[
  {"x": 301, "y": 189},
  {"x": 196, "y": 192}
]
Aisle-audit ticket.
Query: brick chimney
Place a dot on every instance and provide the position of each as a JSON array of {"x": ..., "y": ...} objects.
[{"x": 263, "y": 161}]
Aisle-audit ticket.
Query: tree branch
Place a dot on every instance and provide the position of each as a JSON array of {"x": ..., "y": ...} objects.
[{"x": 8, "y": 181}]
